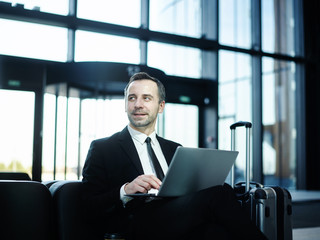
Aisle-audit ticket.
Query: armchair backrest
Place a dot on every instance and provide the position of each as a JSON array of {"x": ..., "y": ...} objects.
[
  {"x": 70, "y": 219},
  {"x": 26, "y": 211},
  {"x": 14, "y": 176}
]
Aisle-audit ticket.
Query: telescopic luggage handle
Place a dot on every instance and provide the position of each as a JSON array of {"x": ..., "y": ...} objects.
[
  {"x": 248, "y": 126},
  {"x": 241, "y": 124}
]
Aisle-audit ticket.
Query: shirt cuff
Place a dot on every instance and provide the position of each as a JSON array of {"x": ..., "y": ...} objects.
[{"x": 124, "y": 198}]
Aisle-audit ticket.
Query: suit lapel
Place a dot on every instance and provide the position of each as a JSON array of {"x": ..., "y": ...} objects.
[{"x": 127, "y": 145}]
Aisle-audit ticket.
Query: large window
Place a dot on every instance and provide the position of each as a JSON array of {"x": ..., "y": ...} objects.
[
  {"x": 240, "y": 85},
  {"x": 279, "y": 128},
  {"x": 16, "y": 128},
  {"x": 218, "y": 40}
]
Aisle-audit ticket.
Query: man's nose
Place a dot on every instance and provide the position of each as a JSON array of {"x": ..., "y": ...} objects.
[{"x": 139, "y": 103}]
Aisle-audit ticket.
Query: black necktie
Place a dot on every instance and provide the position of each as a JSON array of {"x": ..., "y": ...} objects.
[{"x": 154, "y": 159}]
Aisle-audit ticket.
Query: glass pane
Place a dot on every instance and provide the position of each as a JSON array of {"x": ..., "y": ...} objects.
[
  {"x": 48, "y": 151},
  {"x": 102, "y": 47},
  {"x": 16, "y": 128},
  {"x": 278, "y": 26},
  {"x": 98, "y": 120},
  {"x": 235, "y": 102},
  {"x": 234, "y": 85},
  {"x": 57, "y": 6},
  {"x": 177, "y": 17},
  {"x": 235, "y": 23},
  {"x": 176, "y": 119},
  {"x": 175, "y": 60},
  {"x": 61, "y": 138},
  {"x": 73, "y": 138},
  {"x": 33, "y": 40},
  {"x": 122, "y": 12},
  {"x": 279, "y": 127}
]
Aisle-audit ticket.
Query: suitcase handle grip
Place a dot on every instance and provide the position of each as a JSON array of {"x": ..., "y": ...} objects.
[
  {"x": 241, "y": 124},
  {"x": 251, "y": 183},
  {"x": 248, "y": 126}
]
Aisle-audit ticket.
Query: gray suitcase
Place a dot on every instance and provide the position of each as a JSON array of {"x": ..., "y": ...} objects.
[{"x": 270, "y": 207}]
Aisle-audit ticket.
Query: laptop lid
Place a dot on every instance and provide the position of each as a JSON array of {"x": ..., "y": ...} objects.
[{"x": 194, "y": 169}]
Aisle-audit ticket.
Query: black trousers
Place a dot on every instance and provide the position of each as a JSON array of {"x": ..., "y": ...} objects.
[{"x": 213, "y": 213}]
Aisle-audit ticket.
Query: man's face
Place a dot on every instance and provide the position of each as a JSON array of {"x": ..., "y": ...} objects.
[{"x": 142, "y": 105}]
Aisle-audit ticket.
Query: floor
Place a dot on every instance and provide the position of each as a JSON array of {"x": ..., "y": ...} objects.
[
  {"x": 306, "y": 233},
  {"x": 304, "y": 195},
  {"x": 306, "y": 215}
]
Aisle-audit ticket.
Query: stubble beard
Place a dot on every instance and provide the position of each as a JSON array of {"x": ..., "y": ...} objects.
[{"x": 140, "y": 123}]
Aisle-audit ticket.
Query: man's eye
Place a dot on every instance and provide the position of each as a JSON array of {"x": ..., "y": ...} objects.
[{"x": 131, "y": 98}]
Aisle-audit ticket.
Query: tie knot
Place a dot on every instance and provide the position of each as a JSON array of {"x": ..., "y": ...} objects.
[{"x": 148, "y": 140}]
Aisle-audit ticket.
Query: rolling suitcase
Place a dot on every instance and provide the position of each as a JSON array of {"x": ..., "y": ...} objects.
[{"x": 270, "y": 207}]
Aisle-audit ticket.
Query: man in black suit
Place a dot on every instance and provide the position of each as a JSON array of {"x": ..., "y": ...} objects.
[{"x": 121, "y": 164}]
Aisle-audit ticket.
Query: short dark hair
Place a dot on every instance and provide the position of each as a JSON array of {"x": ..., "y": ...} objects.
[{"x": 145, "y": 76}]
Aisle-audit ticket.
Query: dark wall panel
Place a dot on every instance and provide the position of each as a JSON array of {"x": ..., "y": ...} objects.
[{"x": 312, "y": 51}]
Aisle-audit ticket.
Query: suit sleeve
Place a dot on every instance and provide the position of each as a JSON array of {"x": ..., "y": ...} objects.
[{"x": 101, "y": 195}]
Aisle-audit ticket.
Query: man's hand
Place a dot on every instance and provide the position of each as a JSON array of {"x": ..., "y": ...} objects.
[{"x": 143, "y": 184}]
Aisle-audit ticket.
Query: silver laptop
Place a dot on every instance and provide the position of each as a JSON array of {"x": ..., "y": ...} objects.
[{"x": 194, "y": 169}]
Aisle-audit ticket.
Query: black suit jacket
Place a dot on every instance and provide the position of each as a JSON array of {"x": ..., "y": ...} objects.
[{"x": 112, "y": 162}]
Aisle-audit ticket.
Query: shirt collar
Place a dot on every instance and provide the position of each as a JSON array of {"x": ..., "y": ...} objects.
[{"x": 141, "y": 137}]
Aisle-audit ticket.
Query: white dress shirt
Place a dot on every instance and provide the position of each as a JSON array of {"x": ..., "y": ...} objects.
[{"x": 147, "y": 166}]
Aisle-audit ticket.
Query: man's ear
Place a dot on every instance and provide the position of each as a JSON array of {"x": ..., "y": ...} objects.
[{"x": 161, "y": 106}]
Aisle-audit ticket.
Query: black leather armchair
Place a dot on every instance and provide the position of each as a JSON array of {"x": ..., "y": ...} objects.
[
  {"x": 26, "y": 211},
  {"x": 70, "y": 218},
  {"x": 71, "y": 221}
]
